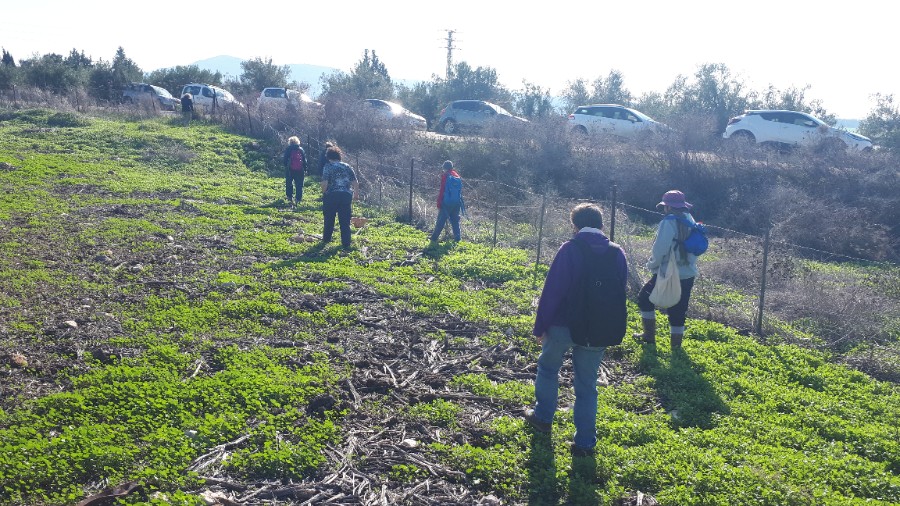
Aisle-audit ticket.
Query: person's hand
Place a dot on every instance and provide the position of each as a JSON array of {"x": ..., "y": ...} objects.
[{"x": 540, "y": 339}]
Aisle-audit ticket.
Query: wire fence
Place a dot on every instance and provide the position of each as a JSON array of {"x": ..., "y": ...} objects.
[{"x": 759, "y": 285}]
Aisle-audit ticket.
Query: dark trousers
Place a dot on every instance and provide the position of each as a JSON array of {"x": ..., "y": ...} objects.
[
  {"x": 447, "y": 213},
  {"x": 337, "y": 203},
  {"x": 678, "y": 312},
  {"x": 293, "y": 178}
]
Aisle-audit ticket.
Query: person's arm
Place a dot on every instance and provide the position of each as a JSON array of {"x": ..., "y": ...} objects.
[
  {"x": 557, "y": 285},
  {"x": 665, "y": 234},
  {"x": 440, "y": 199},
  {"x": 324, "y": 182},
  {"x": 305, "y": 166}
]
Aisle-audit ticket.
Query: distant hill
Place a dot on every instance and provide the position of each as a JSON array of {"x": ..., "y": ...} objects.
[{"x": 230, "y": 66}]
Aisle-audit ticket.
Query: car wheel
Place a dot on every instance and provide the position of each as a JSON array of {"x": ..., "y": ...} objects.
[
  {"x": 580, "y": 130},
  {"x": 831, "y": 146},
  {"x": 449, "y": 127},
  {"x": 743, "y": 137}
]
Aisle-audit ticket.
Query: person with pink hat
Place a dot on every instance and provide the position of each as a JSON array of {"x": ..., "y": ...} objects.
[{"x": 673, "y": 230}]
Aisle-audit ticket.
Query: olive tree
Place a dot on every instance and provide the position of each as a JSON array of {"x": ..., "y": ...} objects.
[{"x": 882, "y": 125}]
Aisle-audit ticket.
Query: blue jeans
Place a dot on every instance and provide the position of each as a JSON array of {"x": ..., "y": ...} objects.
[
  {"x": 586, "y": 361},
  {"x": 447, "y": 212}
]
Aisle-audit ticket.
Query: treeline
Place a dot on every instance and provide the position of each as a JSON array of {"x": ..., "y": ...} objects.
[{"x": 711, "y": 95}]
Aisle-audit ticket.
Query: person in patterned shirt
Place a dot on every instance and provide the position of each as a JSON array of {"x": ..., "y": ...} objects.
[{"x": 339, "y": 188}]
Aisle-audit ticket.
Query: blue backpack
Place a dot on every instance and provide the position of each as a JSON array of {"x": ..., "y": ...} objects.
[
  {"x": 696, "y": 242},
  {"x": 452, "y": 191}
]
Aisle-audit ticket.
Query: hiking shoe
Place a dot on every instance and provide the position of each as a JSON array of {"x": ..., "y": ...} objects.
[
  {"x": 580, "y": 451},
  {"x": 538, "y": 425}
]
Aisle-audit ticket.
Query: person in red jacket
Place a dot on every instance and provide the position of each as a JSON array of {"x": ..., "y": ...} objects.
[{"x": 449, "y": 203}]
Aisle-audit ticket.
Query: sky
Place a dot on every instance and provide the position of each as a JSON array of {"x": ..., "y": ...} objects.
[{"x": 841, "y": 50}]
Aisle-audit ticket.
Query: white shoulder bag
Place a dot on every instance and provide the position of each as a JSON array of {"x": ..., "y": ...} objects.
[{"x": 667, "y": 291}]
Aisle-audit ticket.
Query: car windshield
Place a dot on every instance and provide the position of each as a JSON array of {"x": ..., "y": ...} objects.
[
  {"x": 642, "y": 116},
  {"x": 395, "y": 108},
  {"x": 223, "y": 93},
  {"x": 815, "y": 120},
  {"x": 501, "y": 110},
  {"x": 161, "y": 91}
]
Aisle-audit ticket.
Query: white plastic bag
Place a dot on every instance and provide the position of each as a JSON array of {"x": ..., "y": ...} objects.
[{"x": 667, "y": 291}]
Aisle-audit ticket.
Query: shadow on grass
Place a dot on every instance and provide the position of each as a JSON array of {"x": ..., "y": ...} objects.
[
  {"x": 306, "y": 204},
  {"x": 687, "y": 395},
  {"x": 318, "y": 252},
  {"x": 583, "y": 481},
  {"x": 543, "y": 486},
  {"x": 438, "y": 250}
]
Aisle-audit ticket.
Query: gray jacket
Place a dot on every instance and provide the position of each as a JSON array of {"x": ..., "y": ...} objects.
[{"x": 666, "y": 236}]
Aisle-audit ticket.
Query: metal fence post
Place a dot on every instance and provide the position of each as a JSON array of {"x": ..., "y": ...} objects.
[
  {"x": 537, "y": 259},
  {"x": 762, "y": 284},
  {"x": 496, "y": 213},
  {"x": 412, "y": 163}
]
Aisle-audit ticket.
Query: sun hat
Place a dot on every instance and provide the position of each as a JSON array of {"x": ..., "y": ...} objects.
[
  {"x": 675, "y": 200},
  {"x": 448, "y": 165}
]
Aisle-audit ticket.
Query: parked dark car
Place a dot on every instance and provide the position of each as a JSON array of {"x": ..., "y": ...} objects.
[{"x": 142, "y": 93}]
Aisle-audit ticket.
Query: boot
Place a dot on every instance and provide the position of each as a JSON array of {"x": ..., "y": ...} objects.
[
  {"x": 649, "y": 334},
  {"x": 676, "y": 340}
]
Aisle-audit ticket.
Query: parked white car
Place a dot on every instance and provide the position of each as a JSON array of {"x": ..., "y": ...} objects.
[
  {"x": 392, "y": 115},
  {"x": 204, "y": 95},
  {"x": 613, "y": 119},
  {"x": 283, "y": 97},
  {"x": 790, "y": 128}
]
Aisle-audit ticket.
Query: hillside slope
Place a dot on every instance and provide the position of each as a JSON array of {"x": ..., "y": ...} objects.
[{"x": 169, "y": 327}]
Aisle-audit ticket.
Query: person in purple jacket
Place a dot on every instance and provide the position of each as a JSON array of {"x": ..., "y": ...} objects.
[{"x": 551, "y": 330}]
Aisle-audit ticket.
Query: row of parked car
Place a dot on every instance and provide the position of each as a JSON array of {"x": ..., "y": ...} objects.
[
  {"x": 778, "y": 127},
  {"x": 204, "y": 95},
  {"x": 774, "y": 127}
]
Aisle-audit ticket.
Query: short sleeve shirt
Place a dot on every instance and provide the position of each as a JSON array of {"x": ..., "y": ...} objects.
[{"x": 340, "y": 177}]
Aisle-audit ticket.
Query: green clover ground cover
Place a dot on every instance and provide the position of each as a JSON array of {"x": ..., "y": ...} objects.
[{"x": 176, "y": 235}]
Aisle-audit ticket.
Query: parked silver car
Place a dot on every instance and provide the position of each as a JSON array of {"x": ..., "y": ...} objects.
[
  {"x": 205, "y": 96},
  {"x": 393, "y": 115},
  {"x": 473, "y": 115},
  {"x": 142, "y": 93}
]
